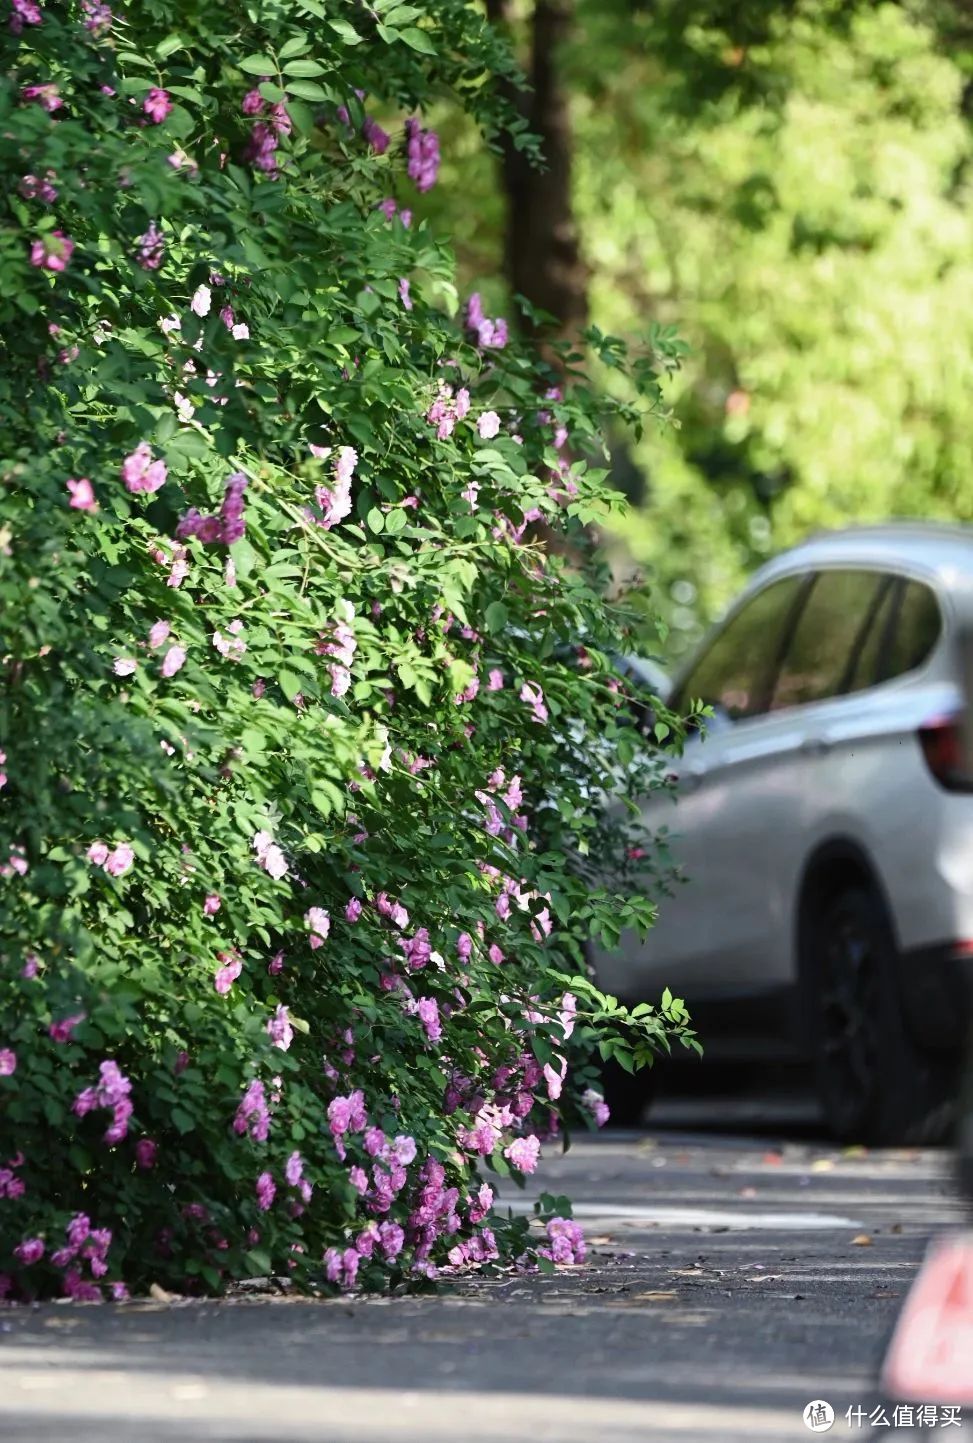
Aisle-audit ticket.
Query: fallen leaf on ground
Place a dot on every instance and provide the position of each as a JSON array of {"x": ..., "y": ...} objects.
[
  {"x": 861, "y": 1241},
  {"x": 160, "y": 1294},
  {"x": 822, "y": 1164},
  {"x": 654, "y": 1297}
]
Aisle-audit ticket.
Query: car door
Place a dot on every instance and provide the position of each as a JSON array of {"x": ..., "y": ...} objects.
[{"x": 709, "y": 932}]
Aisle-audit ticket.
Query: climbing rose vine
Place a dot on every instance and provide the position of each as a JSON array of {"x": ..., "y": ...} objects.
[{"x": 309, "y": 734}]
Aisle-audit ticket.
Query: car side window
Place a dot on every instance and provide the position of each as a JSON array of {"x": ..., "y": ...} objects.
[
  {"x": 864, "y": 669},
  {"x": 826, "y": 636},
  {"x": 734, "y": 671},
  {"x": 915, "y": 631}
]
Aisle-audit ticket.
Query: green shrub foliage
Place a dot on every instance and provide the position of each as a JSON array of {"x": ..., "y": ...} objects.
[{"x": 307, "y": 732}]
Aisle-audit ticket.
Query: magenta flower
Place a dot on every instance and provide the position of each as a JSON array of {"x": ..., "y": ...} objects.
[
  {"x": 25, "y": 12},
  {"x": 173, "y": 660},
  {"x": 97, "y": 853},
  {"x": 404, "y": 296},
  {"x": 422, "y": 148},
  {"x": 489, "y": 334},
  {"x": 392, "y": 1239},
  {"x": 151, "y": 248},
  {"x": 464, "y": 946},
  {"x": 428, "y": 1012},
  {"x": 158, "y": 633},
  {"x": 140, "y": 472},
  {"x": 279, "y": 1029},
  {"x": 30, "y": 1251},
  {"x": 30, "y": 968},
  {"x": 146, "y": 1150},
  {"x": 52, "y": 252},
  {"x": 377, "y": 138},
  {"x": 8, "y": 1062},
  {"x": 98, "y": 17},
  {"x": 157, "y": 105},
  {"x": 62, "y": 1031},
  {"x": 45, "y": 95},
  {"x": 252, "y": 103},
  {"x": 353, "y": 909},
  {"x": 82, "y": 494},
  {"x": 253, "y": 1115},
  {"x": 266, "y": 1190},
  {"x": 32, "y": 187},
  {"x": 276, "y": 964},
  {"x": 294, "y": 1169},
  {"x": 211, "y": 905}
]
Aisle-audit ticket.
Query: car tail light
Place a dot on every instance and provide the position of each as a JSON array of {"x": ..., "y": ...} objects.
[{"x": 944, "y": 747}]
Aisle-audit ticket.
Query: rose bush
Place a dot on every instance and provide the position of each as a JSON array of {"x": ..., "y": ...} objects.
[{"x": 308, "y": 739}]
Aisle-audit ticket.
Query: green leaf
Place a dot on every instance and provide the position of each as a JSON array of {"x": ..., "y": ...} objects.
[
  {"x": 290, "y": 684},
  {"x": 258, "y": 65},
  {"x": 496, "y": 616},
  {"x": 305, "y": 69},
  {"x": 418, "y": 40},
  {"x": 347, "y": 32},
  {"x": 307, "y": 89},
  {"x": 375, "y": 520}
]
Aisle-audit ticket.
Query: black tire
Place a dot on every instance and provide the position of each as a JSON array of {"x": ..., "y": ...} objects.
[
  {"x": 629, "y": 1095},
  {"x": 874, "y": 1084}
]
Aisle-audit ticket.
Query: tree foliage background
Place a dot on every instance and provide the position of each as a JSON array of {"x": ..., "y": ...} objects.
[{"x": 789, "y": 184}]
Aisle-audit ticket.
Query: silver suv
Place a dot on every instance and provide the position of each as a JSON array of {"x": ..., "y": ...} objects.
[{"x": 824, "y": 827}]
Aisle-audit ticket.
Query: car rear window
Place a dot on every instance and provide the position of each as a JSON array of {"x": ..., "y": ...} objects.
[{"x": 915, "y": 631}]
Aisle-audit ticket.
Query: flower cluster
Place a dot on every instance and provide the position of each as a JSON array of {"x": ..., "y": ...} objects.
[
  {"x": 487, "y": 333},
  {"x": 112, "y": 1090},
  {"x": 422, "y": 148},
  {"x": 116, "y": 861},
  {"x": 227, "y": 527},
  {"x": 334, "y": 502},
  {"x": 141, "y": 473}
]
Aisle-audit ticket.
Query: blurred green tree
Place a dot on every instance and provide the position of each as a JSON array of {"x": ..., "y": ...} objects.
[{"x": 789, "y": 182}]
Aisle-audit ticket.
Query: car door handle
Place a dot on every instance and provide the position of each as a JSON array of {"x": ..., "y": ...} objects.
[{"x": 816, "y": 746}]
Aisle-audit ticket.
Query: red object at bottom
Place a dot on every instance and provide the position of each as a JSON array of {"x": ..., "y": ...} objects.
[{"x": 930, "y": 1358}]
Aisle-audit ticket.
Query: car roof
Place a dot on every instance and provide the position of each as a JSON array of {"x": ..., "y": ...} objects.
[{"x": 936, "y": 550}]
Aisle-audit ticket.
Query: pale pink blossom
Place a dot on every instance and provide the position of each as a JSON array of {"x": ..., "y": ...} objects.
[
  {"x": 124, "y": 665},
  {"x": 140, "y": 472},
  {"x": 319, "y": 923},
  {"x": 488, "y": 425},
  {"x": 82, "y": 494},
  {"x": 201, "y": 301},
  {"x": 119, "y": 861},
  {"x": 522, "y": 1154},
  {"x": 173, "y": 660},
  {"x": 158, "y": 633}
]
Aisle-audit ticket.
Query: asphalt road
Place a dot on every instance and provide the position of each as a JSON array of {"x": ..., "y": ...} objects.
[{"x": 734, "y": 1276}]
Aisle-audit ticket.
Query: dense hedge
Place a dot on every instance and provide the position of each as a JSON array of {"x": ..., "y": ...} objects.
[{"x": 307, "y": 736}]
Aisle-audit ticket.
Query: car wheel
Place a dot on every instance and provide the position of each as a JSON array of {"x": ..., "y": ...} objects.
[
  {"x": 874, "y": 1084},
  {"x": 629, "y": 1094}
]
